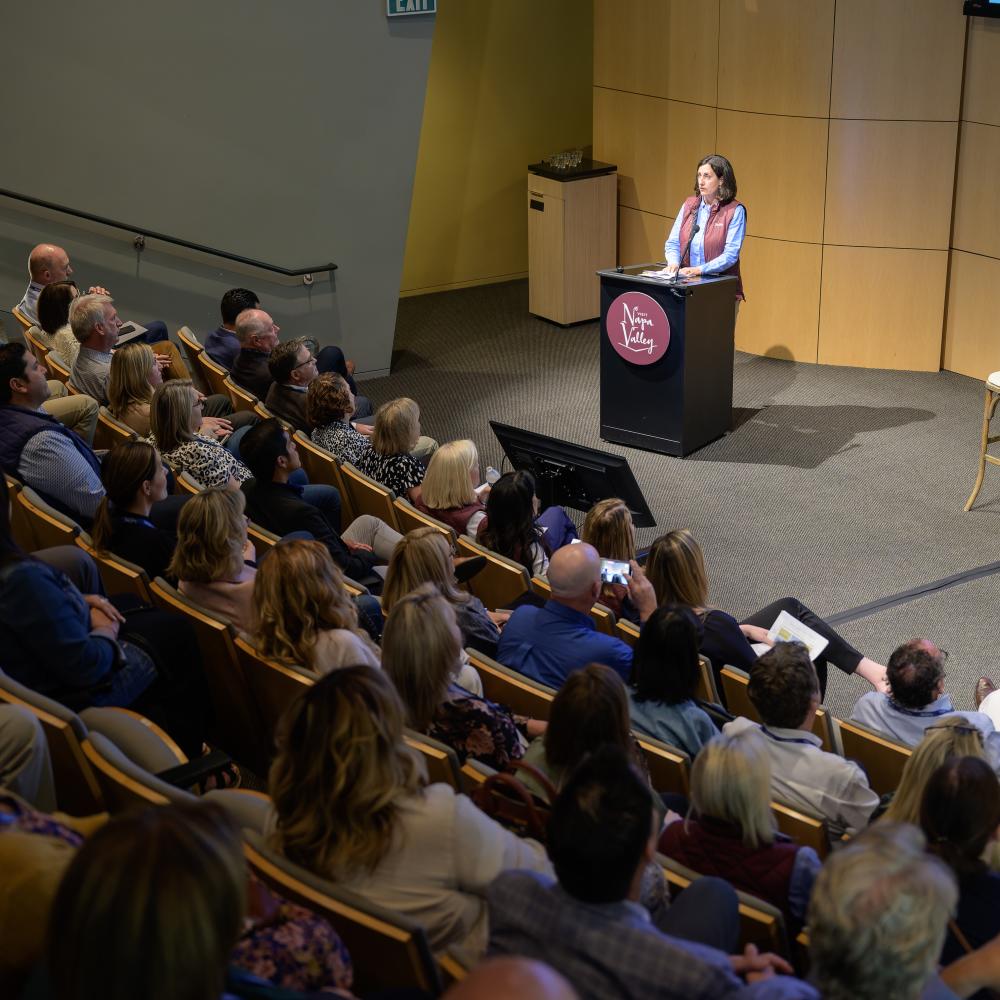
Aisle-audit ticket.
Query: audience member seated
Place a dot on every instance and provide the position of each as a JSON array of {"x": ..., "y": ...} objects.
[
  {"x": 214, "y": 929},
  {"x": 175, "y": 417},
  {"x": 222, "y": 345},
  {"x": 303, "y": 615},
  {"x": 350, "y": 805},
  {"x": 960, "y": 816},
  {"x": 591, "y": 926},
  {"x": 53, "y": 328},
  {"x": 676, "y": 569},
  {"x": 608, "y": 527},
  {"x": 424, "y": 555},
  {"x": 80, "y": 650},
  {"x": 25, "y": 764},
  {"x": 329, "y": 408},
  {"x": 550, "y": 642},
  {"x": 134, "y": 479},
  {"x": 449, "y": 487},
  {"x": 274, "y": 503},
  {"x": 785, "y": 691},
  {"x": 421, "y": 652},
  {"x": 213, "y": 556},
  {"x": 389, "y": 460},
  {"x": 521, "y": 533},
  {"x": 665, "y": 674},
  {"x": 731, "y": 832},
  {"x": 511, "y": 979},
  {"x": 917, "y": 700},
  {"x": 951, "y": 736}
]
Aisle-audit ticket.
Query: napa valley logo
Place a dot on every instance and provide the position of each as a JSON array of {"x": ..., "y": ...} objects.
[{"x": 638, "y": 328}]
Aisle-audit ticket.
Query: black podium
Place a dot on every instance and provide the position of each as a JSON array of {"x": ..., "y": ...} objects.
[{"x": 666, "y": 360}]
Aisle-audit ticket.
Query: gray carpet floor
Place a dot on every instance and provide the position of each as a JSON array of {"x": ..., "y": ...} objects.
[{"x": 838, "y": 485}]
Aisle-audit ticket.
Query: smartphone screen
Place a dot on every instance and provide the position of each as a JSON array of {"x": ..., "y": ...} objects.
[{"x": 613, "y": 571}]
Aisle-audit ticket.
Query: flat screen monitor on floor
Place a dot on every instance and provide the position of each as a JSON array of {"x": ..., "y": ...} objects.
[{"x": 571, "y": 474}]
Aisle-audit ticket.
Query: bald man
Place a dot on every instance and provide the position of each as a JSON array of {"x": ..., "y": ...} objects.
[
  {"x": 512, "y": 979},
  {"x": 550, "y": 642}
]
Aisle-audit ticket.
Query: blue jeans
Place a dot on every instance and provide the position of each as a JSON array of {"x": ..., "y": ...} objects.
[
  {"x": 156, "y": 331},
  {"x": 232, "y": 443},
  {"x": 325, "y": 499}
]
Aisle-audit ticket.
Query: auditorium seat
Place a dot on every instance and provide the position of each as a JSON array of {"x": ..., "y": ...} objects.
[
  {"x": 409, "y": 519},
  {"x": 48, "y": 526},
  {"x": 882, "y": 759},
  {"x": 368, "y": 496},
  {"x": 519, "y": 693},
  {"x": 111, "y": 431},
  {"x": 118, "y": 575},
  {"x": 323, "y": 468},
  {"x": 989, "y": 408}
]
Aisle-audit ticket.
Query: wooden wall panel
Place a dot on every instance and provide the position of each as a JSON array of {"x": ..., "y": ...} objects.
[
  {"x": 972, "y": 331},
  {"x": 982, "y": 72},
  {"x": 630, "y": 130},
  {"x": 691, "y": 134},
  {"x": 780, "y": 165},
  {"x": 774, "y": 56},
  {"x": 882, "y": 308},
  {"x": 977, "y": 201},
  {"x": 889, "y": 184},
  {"x": 782, "y": 281},
  {"x": 898, "y": 60},
  {"x": 629, "y": 43},
  {"x": 641, "y": 236},
  {"x": 693, "y": 53}
]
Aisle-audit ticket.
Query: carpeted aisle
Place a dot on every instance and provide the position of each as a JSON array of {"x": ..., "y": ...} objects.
[{"x": 838, "y": 485}]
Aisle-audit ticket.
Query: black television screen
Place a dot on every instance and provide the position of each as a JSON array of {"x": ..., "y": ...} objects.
[
  {"x": 573, "y": 475},
  {"x": 981, "y": 8}
]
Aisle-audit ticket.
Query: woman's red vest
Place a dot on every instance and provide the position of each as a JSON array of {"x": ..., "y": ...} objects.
[{"x": 719, "y": 217}]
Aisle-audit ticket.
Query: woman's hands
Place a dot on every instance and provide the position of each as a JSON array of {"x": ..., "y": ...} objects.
[
  {"x": 103, "y": 614},
  {"x": 755, "y": 633}
]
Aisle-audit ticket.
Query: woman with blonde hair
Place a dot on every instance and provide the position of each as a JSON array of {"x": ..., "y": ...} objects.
[
  {"x": 449, "y": 487},
  {"x": 608, "y": 527},
  {"x": 350, "y": 806},
  {"x": 134, "y": 375},
  {"x": 303, "y": 615},
  {"x": 676, "y": 569},
  {"x": 424, "y": 555},
  {"x": 950, "y": 736},
  {"x": 389, "y": 462},
  {"x": 212, "y": 556},
  {"x": 421, "y": 652},
  {"x": 175, "y": 419},
  {"x": 731, "y": 833}
]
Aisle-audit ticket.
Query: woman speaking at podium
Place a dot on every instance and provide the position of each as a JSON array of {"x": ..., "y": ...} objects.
[{"x": 709, "y": 229}]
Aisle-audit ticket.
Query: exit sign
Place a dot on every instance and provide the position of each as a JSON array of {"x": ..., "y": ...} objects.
[{"x": 400, "y": 8}]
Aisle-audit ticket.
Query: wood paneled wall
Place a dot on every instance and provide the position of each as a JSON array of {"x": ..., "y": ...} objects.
[{"x": 841, "y": 118}]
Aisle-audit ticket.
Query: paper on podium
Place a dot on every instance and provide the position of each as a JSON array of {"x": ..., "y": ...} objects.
[
  {"x": 662, "y": 273},
  {"x": 789, "y": 629}
]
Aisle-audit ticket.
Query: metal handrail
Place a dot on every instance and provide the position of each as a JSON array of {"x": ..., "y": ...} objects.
[{"x": 140, "y": 240}]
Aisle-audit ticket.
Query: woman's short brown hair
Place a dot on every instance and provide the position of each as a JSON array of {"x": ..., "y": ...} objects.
[
  {"x": 397, "y": 427},
  {"x": 211, "y": 536},
  {"x": 328, "y": 400},
  {"x": 676, "y": 569}
]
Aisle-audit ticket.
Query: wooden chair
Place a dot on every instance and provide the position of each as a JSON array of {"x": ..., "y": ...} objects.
[
  {"x": 118, "y": 575},
  {"x": 441, "y": 761},
  {"x": 21, "y": 318},
  {"x": 265, "y": 414},
  {"x": 40, "y": 351},
  {"x": 190, "y": 342},
  {"x": 322, "y": 467},
  {"x": 707, "y": 689},
  {"x": 20, "y": 521},
  {"x": 761, "y": 924},
  {"x": 669, "y": 767},
  {"x": 111, "y": 431},
  {"x": 58, "y": 369},
  {"x": 810, "y": 831},
  {"x": 77, "y": 790},
  {"x": 237, "y": 728},
  {"x": 604, "y": 619},
  {"x": 388, "y": 951},
  {"x": 368, "y": 496},
  {"x": 989, "y": 408},
  {"x": 624, "y": 629},
  {"x": 500, "y": 582},
  {"x": 263, "y": 540},
  {"x": 49, "y": 527},
  {"x": 242, "y": 399},
  {"x": 507, "y": 687},
  {"x": 878, "y": 755},
  {"x": 213, "y": 373},
  {"x": 409, "y": 518},
  {"x": 736, "y": 685},
  {"x": 184, "y": 482}
]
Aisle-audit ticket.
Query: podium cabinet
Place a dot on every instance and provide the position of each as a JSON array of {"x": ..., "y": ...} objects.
[
  {"x": 571, "y": 235},
  {"x": 666, "y": 360}
]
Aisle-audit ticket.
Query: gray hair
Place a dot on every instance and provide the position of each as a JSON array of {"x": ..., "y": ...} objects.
[
  {"x": 86, "y": 312},
  {"x": 249, "y": 323},
  {"x": 878, "y": 915}
]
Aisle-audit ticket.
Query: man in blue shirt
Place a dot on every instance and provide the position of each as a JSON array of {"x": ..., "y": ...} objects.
[
  {"x": 222, "y": 345},
  {"x": 550, "y": 642}
]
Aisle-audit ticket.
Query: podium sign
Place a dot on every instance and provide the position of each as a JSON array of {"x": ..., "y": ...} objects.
[{"x": 666, "y": 360}]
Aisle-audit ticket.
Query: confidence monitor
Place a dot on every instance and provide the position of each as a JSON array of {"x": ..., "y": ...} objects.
[{"x": 573, "y": 475}]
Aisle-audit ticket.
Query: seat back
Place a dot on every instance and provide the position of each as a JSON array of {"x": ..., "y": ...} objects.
[
  {"x": 624, "y": 629},
  {"x": 265, "y": 414},
  {"x": 118, "y": 575},
  {"x": 49, "y": 527},
  {"x": 40, "y": 351},
  {"x": 57, "y": 368},
  {"x": 669, "y": 767},
  {"x": 213, "y": 373},
  {"x": 186, "y": 483},
  {"x": 368, "y": 496},
  {"x": 879, "y": 756},
  {"x": 409, "y": 518},
  {"x": 508, "y": 687},
  {"x": 707, "y": 689},
  {"x": 191, "y": 343},
  {"x": 77, "y": 790},
  {"x": 603, "y": 618},
  {"x": 110, "y": 431},
  {"x": 500, "y": 582},
  {"x": 20, "y": 520},
  {"x": 236, "y": 726},
  {"x": 263, "y": 540},
  {"x": 810, "y": 831},
  {"x": 242, "y": 399},
  {"x": 21, "y": 318},
  {"x": 441, "y": 761},
  {"x": 388, "y": 951},
  {"x": 322, "y": 467}
]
